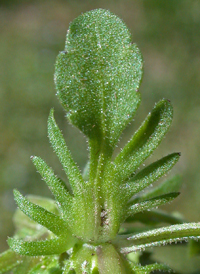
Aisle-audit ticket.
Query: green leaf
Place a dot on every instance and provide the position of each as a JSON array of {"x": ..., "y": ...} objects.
[
  {"x": 46, "y": 266},
  {"x": 154, "y": 217},
  {"x": 40, "y": 215},
  {"x": 98, "y": 75},
  {"x": 27, "y": 264},
  {"x": 132, "y": 229},
  {"x": 149, "y": 268},
  {"x": 40, "y": 248},
  {"x": 56, "y": 186},
  {"x": 47, "y": 203},
  {"x": 151, "y": 203},
  {"x": 171, "y": 185},
  {"x": 8, "y": 260},
  {"x": 150, "y": 174},
  {"x": 162, "y": 236},
  {"x": 144, "y": 141},
  {"x": 58, "y": 143},
  {"x": 24, "y": 226}
]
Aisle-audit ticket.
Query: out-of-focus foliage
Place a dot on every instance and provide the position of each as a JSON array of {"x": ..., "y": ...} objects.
[{"x": 168, "y": 34}]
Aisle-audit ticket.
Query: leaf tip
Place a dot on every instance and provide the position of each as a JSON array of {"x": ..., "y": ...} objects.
[
  {"x": 16, "y": 193},
  {"x": 10, "y": 242}
]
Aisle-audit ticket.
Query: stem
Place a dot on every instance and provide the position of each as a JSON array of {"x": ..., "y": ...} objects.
[
  {"x": 99, "y": 157},
  {"x": 95, "y": 150}
]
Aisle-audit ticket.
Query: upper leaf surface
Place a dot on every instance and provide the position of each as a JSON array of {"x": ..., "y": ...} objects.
[
  {"x": 154, "y": 217},
  {"x": 58, "y": 143},
  {"x": 39, "y": 214},
  {"x": 145, "y": 140},
  {"x": 24, "y": 226},
  {"x": 55, "y": 185},
  {"x": 150, "y": 174},
  {"x": 152, "y": 203},
  {"x": 170, "y": 185},
  {"x": 98, "y": 75}
]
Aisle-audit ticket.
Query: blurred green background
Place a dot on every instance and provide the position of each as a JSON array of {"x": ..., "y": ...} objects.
[{"x": 31, "y": 35}]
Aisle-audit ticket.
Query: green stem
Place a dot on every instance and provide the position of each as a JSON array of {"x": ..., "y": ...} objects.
[
  {"x": 99, "y": 157},
  {"x": 94, "y": 146}
]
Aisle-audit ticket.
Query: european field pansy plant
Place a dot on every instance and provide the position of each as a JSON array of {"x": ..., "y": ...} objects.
[{"x": 90, "y": 227}]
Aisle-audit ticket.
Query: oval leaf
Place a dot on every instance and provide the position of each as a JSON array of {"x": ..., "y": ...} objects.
[{"x": 98, "y": 75}]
